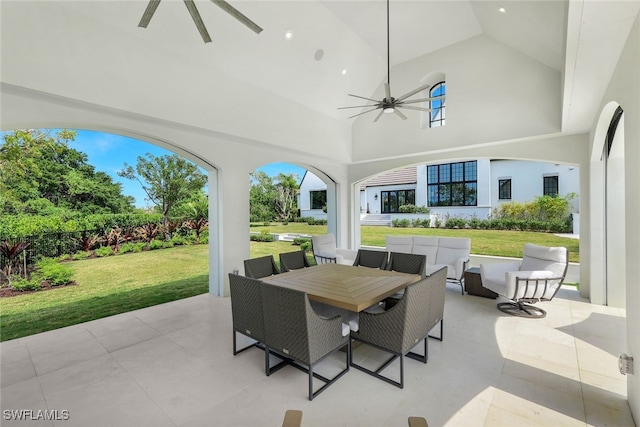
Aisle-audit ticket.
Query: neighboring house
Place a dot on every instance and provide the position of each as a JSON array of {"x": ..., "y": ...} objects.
[
  {"x": 464, "y": 189},
  {"x": 312, "y": 197}
]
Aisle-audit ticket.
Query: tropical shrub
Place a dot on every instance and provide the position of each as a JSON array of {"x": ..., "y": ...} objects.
[
  {"x": 401, "y": 223},
  {"x": 104, "y": 251},
  {"x": 410, "y": 208},
  {"x": 264, "y": 236},
  {"x": 22, "y": 284},
  {"x": 52, "y": 271}
]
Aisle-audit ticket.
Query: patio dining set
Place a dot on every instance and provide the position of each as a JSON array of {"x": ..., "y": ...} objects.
[{"x": 387, "y": 300}]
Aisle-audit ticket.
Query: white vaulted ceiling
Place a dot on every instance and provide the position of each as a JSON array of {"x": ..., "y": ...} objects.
[{"x": 93, "y": 51}]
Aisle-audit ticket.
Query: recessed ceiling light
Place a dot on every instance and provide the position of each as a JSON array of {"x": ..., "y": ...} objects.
[
  {"x": 344, "y": 71},
  {"x": 288, "y": 35},
  {"x": 502, "y": 10}
]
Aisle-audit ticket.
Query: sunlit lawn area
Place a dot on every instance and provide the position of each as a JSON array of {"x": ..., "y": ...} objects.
[
  {"x": 117, "y": 284},
  {"x": 108, "y": 286}
]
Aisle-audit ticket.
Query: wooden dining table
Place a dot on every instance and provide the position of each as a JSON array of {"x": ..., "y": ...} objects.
[{"x": 349, "y": 287}]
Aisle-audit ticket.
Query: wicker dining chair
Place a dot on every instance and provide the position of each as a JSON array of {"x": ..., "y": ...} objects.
[
  {"x": 293, "y": 261},
  {"x": 399, "y": 329},
  {"x": 247, "y": 314},
  {"x": 260, "y": 267},
  {"x": 294, "y": 331},
  {"x": 246, "y": 310},
  {"x": 407, "y": 263},
  {"x": 371, "y": 259}
]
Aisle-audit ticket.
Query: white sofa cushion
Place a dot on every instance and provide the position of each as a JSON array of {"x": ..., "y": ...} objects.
[
  {"x": 453, "y": 252},
  {"x": 536, "y": 257},
  {"x": 426, "y": 245},
  {"x": 324, "y": 245},
  {"x": 403, "y": 244}
]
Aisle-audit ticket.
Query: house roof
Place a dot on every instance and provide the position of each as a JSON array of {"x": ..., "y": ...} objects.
[{"x": 396, "y": 177}]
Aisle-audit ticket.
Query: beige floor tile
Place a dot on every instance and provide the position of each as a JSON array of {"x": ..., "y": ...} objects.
[
  {"x": 79, "y": 375},
  {"x": 172, "y": 364},
  {"x": 114, "y": 401},
  {"x": 538, "y": 403},
  {"x": 62, "y": 348}
]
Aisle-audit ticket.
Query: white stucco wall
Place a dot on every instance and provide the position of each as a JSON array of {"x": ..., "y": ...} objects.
[
  {"x": 494, "y": 83},
  {"x": 527, "y": 180},
  {"x": 310, "y": 182},
  {"x": 624, "y": 90}
]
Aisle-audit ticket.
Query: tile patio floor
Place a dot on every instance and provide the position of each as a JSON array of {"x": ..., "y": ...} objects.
[{"x": 172, "y": 365}]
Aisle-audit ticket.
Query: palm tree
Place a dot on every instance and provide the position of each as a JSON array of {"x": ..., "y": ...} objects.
[{"x": 286, "y": 203}]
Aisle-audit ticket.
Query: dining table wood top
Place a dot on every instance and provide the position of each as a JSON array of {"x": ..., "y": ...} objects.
[{"x": 349, "y": 287}]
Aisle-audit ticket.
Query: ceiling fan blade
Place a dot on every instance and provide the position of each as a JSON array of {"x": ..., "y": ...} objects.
[
  {"x": 197, "y": 19},
  {"x": 378, "y": 116},
  {"x": 364, "y": 112},
  {"x": 398, "y": 112},
  {"x": 362, "y": 97},
  {"x": 387, "y": 91},
  {"x": 358, "y": 106},
  {"x": 411, "y": 107},
  {"x": 148, "y": 13},
  {"x": 238, "y": 15},
  {"x": 413, "y": 101},
  {"x": 413, "y": 92}
]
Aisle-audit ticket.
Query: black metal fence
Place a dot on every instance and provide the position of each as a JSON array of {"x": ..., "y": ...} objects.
[{"x": 50, "y": 245}]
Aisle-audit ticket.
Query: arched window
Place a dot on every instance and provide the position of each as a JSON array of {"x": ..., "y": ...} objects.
[{"x": 437, "y": 114}]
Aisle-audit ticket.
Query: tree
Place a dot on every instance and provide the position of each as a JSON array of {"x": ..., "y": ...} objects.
[
  {"x": 167, "y": 180},
  {"x": 287, "y": 188},
  {"x": 262, "y": 197},
  {"x": 195, "y": 211},
  {"x": 41, "y": 174}
]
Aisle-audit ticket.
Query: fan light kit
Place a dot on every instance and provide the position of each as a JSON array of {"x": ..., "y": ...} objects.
[
  {"x": 390, "y": 104},
  {"x": 197, "y": 19}
]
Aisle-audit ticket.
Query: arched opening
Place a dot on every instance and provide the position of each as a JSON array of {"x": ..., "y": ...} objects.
[
  {"x": 608, "y": 221},
  {"x": 81, "y": 208},
  {"x": 312, "y": 211}
]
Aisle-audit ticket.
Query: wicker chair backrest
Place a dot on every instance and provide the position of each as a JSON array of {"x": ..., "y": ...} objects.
[
  {"x": 371, "y": 259},
  {"x": 246, "y": 306},
  {"x": 293, "y": 261},
  {"x": 410, "y": 320},
  {"x": 294, "y": 329},
  {"x": 407, "y": 263},
  {"x": 260, "y": 267}
]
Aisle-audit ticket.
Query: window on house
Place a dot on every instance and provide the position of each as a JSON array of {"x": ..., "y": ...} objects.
[
  {"x": 452, "y": 184},
  {"x": 550, "y": 186},
  {"x": 392, "y": 200},
  {"x": 318, "y": 199},
  {"x": 437, "y": 114},
  {"x": 504, "y": 189}
]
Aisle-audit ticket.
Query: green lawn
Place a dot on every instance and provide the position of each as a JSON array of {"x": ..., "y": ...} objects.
[
  {"x": 117, "y": 284},
  {"x": 108, "y": 286},
  {"x": 483, "y": 242}
]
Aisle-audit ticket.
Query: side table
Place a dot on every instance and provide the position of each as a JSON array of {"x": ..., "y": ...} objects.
[{"x": 473, "y": 284}]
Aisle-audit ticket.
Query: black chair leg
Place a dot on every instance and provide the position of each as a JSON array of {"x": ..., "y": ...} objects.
[{"x": 441, "y": 331}]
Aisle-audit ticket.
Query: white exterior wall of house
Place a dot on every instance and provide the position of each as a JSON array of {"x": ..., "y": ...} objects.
[
  {"x": 527, "y": 180},
  {"x": 309, "y": 183}
]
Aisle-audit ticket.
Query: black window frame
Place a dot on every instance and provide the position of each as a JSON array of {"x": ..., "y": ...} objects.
[
  {"x": 452, "y": 184},
  {"x": 504, "y": 189},
  {"x": 313, "y": 199},
  {"x": 391, "y": 200},
  {"x": 550, "y": 185}
]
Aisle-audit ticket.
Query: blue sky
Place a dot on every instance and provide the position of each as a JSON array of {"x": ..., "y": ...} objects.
[{"x": 108, "y": 153}]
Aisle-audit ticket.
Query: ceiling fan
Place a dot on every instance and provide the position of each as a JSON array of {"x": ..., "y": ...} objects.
[
  {"x": 197, "y": 19},
  {"x": 390, "y": 104}
]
